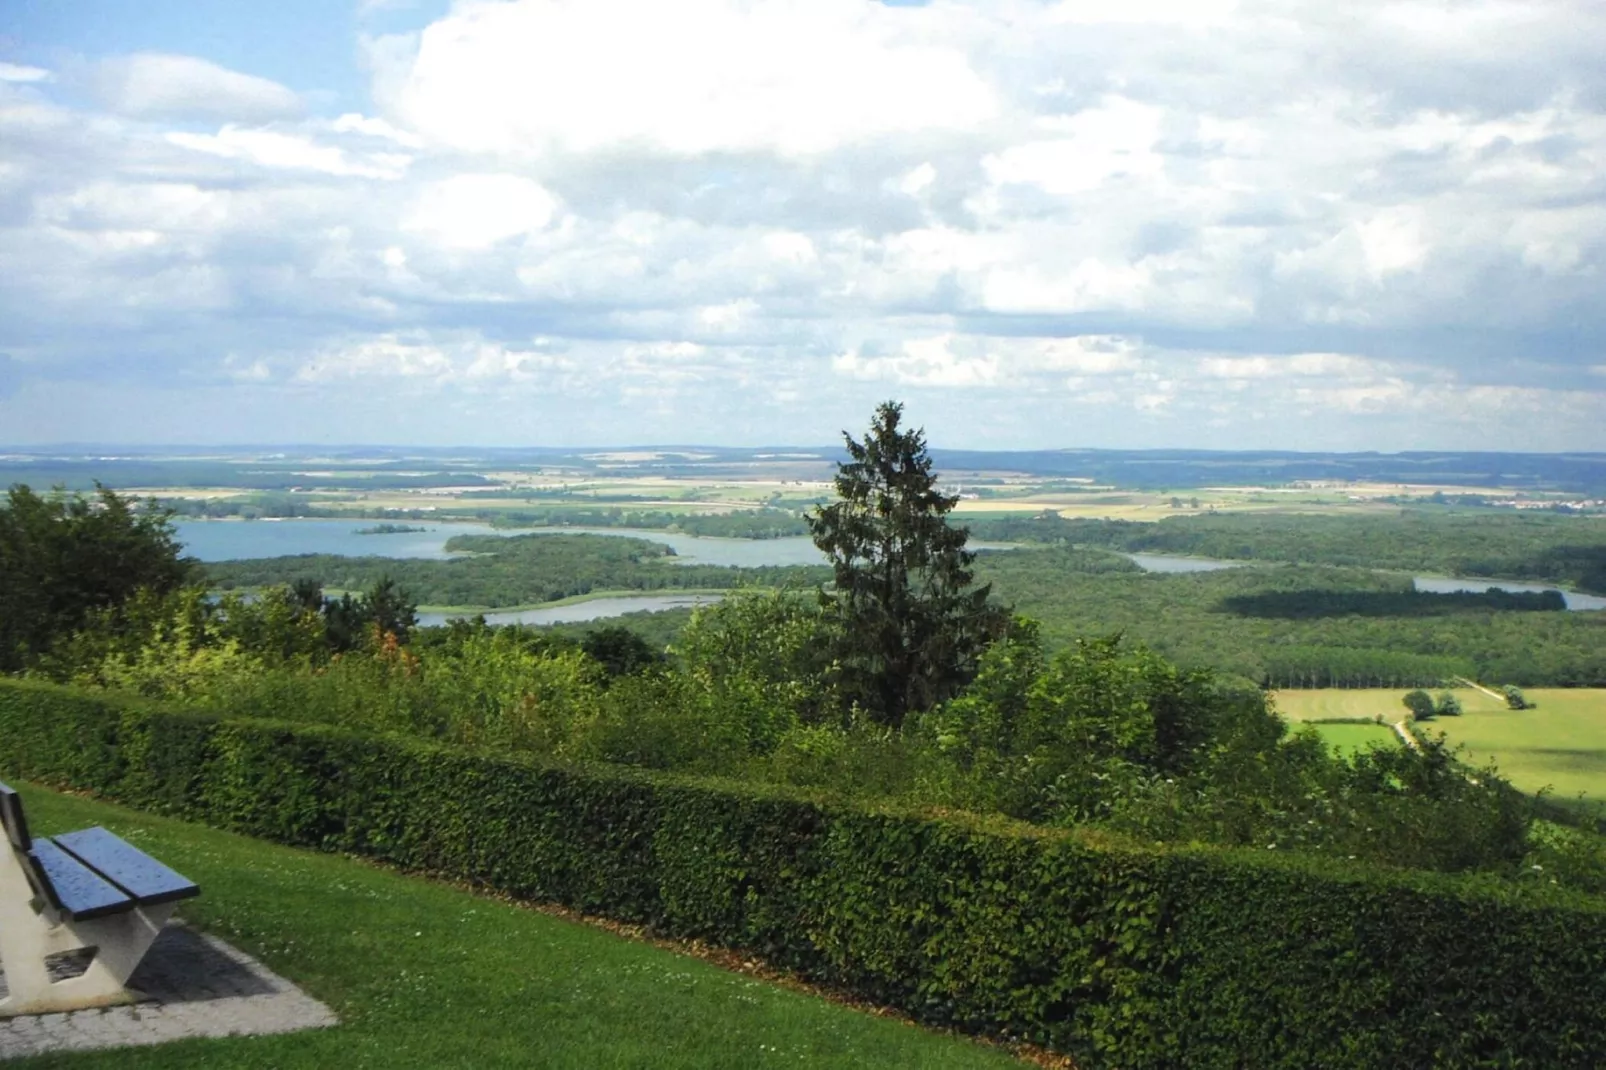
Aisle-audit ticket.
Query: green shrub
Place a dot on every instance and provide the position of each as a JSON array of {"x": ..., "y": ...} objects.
[{"x": 1119, "y": 955}]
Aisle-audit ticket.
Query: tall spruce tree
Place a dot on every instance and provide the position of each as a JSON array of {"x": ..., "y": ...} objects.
[{"x": 910, "y": 628}]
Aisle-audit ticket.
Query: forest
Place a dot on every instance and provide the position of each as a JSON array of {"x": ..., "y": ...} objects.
[
  {"x": 1520, "y": 546},
  {"x": 1276, "y": 624}
]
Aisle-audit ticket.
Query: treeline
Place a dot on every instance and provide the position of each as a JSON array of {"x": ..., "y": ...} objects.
[
  {"x": 1331, "y": 666},
  {"x": 744, "y": 524},
  {"x": 1308, "y": 604},
  {"x": 1223, "y": 619},
  {"x": 1570, "y": 551},
  {"x": 499, "y": 571}
]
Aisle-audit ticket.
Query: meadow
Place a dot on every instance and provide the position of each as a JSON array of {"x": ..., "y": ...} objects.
[
  {"x": 1560, "y": 744},
  {"x": 1347, "y": 739}
]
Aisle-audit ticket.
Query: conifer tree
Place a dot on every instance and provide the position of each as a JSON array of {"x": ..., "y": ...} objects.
[{"x": 910, "y": 629}]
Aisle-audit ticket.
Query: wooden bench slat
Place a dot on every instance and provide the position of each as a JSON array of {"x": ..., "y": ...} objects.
[
  {"x": 146, "y": 880},
  {"x": 73, "y": 888}
]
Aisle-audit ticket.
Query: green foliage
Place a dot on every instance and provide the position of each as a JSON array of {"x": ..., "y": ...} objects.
[
  {"x": 425, "y": 974},
  {"x": 1447, "y": 705},
  {"x": 909, "y": 631},
  {"x": 619, "y": 650},
  {"x": 1515, "y": 699},
  {"x": 1420, "y": 703},
  {"x": 1190, "y": 619},
  {"x": 1118, "y": 955},
  {"x": 66, "y": 558},
  {"x": 1519, "y": 546},
  {"x": 776, "y": 646}
]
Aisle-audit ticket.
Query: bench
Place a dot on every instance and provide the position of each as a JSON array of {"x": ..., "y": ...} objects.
[{"x": 87, "y": 898}]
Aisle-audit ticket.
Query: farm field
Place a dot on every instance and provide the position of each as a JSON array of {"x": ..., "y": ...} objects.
[
  {"x": 1560, "y": 745},
  {"x": 1349, "y": 738}
]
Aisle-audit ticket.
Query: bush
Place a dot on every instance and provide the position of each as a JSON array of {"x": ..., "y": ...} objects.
[
  {"x": 1420, "y": 703},
  {"x": 1119, "y": 955},
  {"x": 1515, "y": 699}
]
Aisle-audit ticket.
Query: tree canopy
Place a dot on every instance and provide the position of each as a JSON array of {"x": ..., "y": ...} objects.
[
  {"x": 910, "y": 627},
  {"x": 65, "y": 557}
]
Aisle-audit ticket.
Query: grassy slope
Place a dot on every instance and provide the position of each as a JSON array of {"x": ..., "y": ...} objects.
[
  {"x": 426, "y": 975},
  {"x": 1561, "y": 744}
]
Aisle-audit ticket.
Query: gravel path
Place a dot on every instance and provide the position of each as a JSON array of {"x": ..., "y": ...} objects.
[{"x": 195, "y": 986}]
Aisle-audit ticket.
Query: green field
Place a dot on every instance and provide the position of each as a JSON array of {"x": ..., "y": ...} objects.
[
  {"x": 427, "y": 975},
  {"x": 1560, "y": 745},
  {"x": 1349, "y": 738}
]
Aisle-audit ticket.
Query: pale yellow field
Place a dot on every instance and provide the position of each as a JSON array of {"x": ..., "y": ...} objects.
[{"x": 1561, "y": 744}]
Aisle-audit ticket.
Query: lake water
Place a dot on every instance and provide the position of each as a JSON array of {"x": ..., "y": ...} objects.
[
  {"x": 594, "y": 609},
  {"x": 1450, "y": 585},
  {"x": 1430, "y": 584},
  {"x": 1169, "y": 563},
  {"x": 232, "y": 540},
  {"x": 226, "y": 540}
]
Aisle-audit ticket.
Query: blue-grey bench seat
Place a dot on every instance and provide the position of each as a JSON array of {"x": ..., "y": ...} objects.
[{"x": 92, "y": 873}]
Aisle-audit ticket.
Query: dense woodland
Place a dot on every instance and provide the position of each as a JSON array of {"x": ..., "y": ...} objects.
[
  {"x": 1303, "y": 626},
  {"x": 1565, "y": 550}
]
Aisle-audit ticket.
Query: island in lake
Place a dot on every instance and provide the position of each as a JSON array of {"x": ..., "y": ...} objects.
[{"x": 389, "y": 529}]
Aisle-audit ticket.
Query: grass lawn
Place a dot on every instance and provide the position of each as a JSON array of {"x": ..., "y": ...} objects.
[
  {"x": 1349, "y": 738},
  {"x": 426, "y": 975},
  {"x": 1560, "y": 745}
]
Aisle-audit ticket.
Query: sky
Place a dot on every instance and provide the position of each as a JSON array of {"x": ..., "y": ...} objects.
[{"x": 1220, "y": 224}]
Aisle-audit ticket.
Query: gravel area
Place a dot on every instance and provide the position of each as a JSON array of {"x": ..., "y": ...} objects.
[{"x": 194, "y": 985}]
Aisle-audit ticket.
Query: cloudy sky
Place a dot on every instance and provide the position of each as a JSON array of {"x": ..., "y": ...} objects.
[{"x": 1040, "y": 223}]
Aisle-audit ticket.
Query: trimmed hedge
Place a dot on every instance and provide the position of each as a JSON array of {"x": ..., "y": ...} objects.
[{"x": 1118, "y": 955}]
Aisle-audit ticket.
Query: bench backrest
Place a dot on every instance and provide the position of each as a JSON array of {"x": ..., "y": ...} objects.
[{"x": 15, "y": 820}]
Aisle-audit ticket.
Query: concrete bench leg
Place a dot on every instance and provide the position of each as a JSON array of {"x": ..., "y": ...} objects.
[{"x": 27, "y": 937}]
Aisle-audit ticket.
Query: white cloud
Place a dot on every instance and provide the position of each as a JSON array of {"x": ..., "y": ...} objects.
[
  {"x": 1160, "y": 12},
  {"x": 923, "y": 362},
  {"x": 1114, "y": 140},
  {"x": 151, "y": 85},
  {"x": 431, "y": 360},
  {"x": 1139, "y": 223},
  {"x": 16, "y": 72},
  {"x": 699, "y": 76},
  {"x": 272, "y": 148},
  {"x": 477, "y": 211}
]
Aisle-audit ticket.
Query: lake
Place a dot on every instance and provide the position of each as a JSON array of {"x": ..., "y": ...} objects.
[
  {"x": 226, "y": 540},
  {"x": 1430, "y": 584},
  {"x": 232, "y": 540},
  {"x": 1450, "y": 585},
  {"x": 577, "y": 612},
  {"x": 1170, "y": 563}
]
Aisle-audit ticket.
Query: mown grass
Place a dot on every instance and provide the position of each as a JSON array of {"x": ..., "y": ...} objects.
[
  {"x": 1560, "y": 745},
  {"x": 1368, "y": 702},
  {"x": 423, "y": 974},
  {"x": 1349, "y": 738}
]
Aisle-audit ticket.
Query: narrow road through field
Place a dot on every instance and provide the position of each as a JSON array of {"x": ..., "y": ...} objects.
[
  {"x": 1405, "y": 736},
  {"x": 1480, "y": 687}
]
